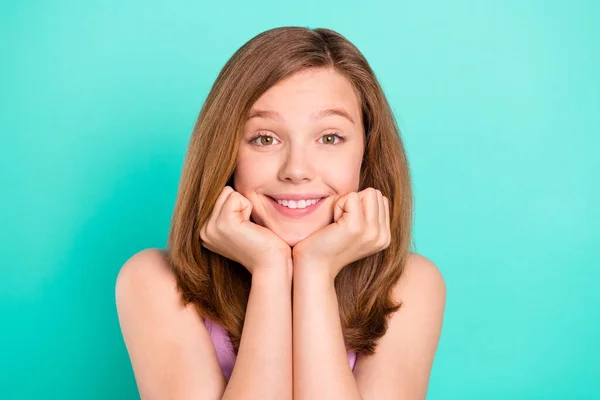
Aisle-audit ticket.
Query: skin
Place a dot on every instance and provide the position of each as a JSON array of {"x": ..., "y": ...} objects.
[
  {"x": 350, "y": 226},
  {"x": 293, "y": 161},
  {"x": 301, "y": 157}
]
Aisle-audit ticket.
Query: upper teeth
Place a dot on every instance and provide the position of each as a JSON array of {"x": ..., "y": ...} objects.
[{"x": 297, "y": 204}]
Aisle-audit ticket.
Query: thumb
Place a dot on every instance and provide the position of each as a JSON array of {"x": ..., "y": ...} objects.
[
  {"x": 349, "y": 206},
  {"x": 245, "y": 208},
  {"x": 238, "y": 207},
  {"x": 340, "y": 207}
]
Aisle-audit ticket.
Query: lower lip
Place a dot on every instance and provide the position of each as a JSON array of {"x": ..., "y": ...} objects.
[{"x": 296, "y": 212}]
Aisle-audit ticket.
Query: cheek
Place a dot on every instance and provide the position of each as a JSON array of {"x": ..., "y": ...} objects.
[
  {"x": 255, "y": 172},
  {"x": 247, "y": 174},
  {"x": 343, "y": 177}
]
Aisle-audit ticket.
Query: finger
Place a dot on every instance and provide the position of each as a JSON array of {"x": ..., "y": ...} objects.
[
  {"x": 387, "y": 212},
  {"x": 216, "y": 210},
  {"x": 247, "y": 210},
  {"x": 236, "y": 206},
  {"x": 385, "y": 226},
  {"x": 350, "y": 207},
  {"x": 338, "y": 209},
  {"x": 370, "y": 206},
  {"x": 225, "y": 192},
  {"x": 381, "y": 216}
]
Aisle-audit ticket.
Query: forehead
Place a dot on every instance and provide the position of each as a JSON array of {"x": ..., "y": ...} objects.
[{"x": 309, "y": 95}]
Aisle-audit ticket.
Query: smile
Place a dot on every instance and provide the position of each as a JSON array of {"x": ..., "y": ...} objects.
[
  {"x": 296, "y": 209},
  {"x": 298, "y": 204}
]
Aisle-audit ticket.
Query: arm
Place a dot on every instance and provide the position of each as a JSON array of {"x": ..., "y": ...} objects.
[
  {"x": 402, "y": 363},
  {"x": 321, "y": 369},
  {"x": 404, "y": 357},
  {"x": 263, "y": 369},
  {"x": 170, "y": 349}
]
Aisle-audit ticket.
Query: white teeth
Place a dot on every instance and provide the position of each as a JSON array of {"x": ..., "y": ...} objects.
[{"x": 298, "y": 204}]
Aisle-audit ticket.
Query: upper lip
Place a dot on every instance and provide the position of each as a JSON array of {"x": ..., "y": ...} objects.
[{"x": 297, "y": 196}]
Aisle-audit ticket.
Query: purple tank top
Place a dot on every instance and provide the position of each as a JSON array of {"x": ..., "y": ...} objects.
[{"x": 224, "y": 348}]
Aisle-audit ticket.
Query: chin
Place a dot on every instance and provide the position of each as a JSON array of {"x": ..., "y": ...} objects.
[
  {"x": 291, "y": 238},
  {"x": 291, "y": 232}
]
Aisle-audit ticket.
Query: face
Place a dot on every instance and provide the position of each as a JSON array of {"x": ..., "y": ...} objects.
[{"x": 302, "y": 142}]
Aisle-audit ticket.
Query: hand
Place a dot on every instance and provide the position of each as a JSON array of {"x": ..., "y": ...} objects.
[
  {"x": 361, "y": 228},
  {"x": 230, "y": 232}
]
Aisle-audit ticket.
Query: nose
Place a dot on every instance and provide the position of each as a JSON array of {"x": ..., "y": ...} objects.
[{"x": 298, "y": 165}]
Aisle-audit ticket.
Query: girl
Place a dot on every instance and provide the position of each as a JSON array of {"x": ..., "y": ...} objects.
[{"x": 288, "y": 271}]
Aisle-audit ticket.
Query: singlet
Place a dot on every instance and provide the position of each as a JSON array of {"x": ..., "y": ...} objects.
[{"x": 224, "y": 348}]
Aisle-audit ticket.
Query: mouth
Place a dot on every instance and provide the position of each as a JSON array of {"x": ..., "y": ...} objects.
[{"x": 295, "y": 209}]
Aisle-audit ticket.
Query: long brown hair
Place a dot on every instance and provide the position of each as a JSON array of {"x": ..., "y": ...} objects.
[{"x": 218, "y": 287}]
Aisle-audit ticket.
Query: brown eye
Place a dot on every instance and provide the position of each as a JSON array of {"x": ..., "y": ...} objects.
[
  {"x": 330, "y": 138},
  {"x": 262, "y": 140},
  {"x": 266, "y": 140}
]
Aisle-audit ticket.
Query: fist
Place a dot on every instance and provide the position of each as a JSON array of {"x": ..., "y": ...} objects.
[
  {"x": 230, "y": 232},
  {"x": 361, "y": 228}
]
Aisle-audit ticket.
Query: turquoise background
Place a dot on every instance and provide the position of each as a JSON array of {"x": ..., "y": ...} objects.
[{"x": 498, "y": 104}]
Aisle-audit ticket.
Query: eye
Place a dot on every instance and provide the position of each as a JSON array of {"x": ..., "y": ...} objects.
[
  {"x": 263, "y": 140},
  {"x": 330, "y": 138}
]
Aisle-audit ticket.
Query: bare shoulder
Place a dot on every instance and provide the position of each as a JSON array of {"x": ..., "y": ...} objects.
[
  {"x": 420, "y": 273},
  {"x": 146, "y": 276},
  {"x": 148, "y": 259},
  {"x": 147, "y": 270},
  {"x": 170, "y": 349},
  {"x": 402, "y": 363}
]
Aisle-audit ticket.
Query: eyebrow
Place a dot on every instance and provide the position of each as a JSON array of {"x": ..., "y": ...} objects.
[{"x": 274, "y": 115}]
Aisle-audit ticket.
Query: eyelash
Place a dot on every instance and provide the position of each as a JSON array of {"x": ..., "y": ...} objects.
[{"x": 258, "y": 135}]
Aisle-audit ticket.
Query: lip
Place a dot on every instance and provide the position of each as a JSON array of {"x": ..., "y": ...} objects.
[
  {"x": 296, "y": 212},
  {"x": 299, "y": 196}
]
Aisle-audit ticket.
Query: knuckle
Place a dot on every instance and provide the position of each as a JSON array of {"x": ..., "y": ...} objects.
[
  {"x": 387, "y": 239},
  {"x": 204, "y": 231},
  {"x": 371, "y": 236},
  {"x": 375, "y": 237},
  {"x": 219, "y": 227},
  {"x": 369, "y": 192}
]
